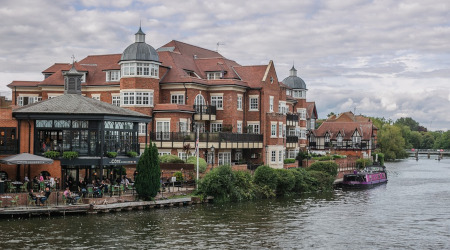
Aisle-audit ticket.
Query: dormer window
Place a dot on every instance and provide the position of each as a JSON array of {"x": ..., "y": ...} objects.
[
  {"x": 191, "y": 73},
  {"x": 113, "y": 76},
  {"x": 214, "y": 75}
]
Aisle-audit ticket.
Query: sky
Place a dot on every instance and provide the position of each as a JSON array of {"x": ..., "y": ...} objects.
[{"x": 380, "y": 58}]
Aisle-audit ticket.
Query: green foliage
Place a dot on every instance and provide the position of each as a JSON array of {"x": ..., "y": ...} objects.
[
  {"x": 201, "y": 163},
  {"x": 391, "y": 142},
  {"x": 52, "y": 154},
  {"x": 329, "y": 167},
  {"x": 321, "y": 181},
  {"x": 409, "y": 122},
  {"x": 218, "y": 183},
  {"x": 120, "y": 170},
  {"x": 285, "y": 181},
  {"x": 303, "y": 181},
  {"x": 111, "y": 154},
  {"x": 132, "y": 154},
  {"x": 287, "y": 161},
  {"x": 170, "y": 159},
  {"x": 362, "y": 163},
  {"x": 244, "y": 189},
  {"x": 179, "y": 175},
  {"x": 70, "y": 155},
  {"x": 265, "y": 175},
  {"x": 339, "y": 156},
  {"x": 380, "y": 158},
  {"x": 149, "y": 173}
]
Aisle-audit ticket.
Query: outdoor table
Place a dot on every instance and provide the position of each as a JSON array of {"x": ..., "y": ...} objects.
[{"x": 18, "y": 184}]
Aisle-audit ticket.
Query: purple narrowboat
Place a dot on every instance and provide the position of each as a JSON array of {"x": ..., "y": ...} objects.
[{"x": 370, "y": 176}]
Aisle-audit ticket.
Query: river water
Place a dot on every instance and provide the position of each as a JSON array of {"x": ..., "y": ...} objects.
[{"x": 411, "y": 211}]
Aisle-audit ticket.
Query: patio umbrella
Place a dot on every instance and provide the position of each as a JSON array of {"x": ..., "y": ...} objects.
[{"x": 25, "y": 158}]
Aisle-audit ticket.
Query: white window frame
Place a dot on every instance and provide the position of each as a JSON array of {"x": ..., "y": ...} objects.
[
  {"x": 239, "y": 102},
  {"x": 214, "y": 75},
  {"x": 217, "y": 100},
  {"x": 140, "y": 69},
  {"x": 96, "y": 97},
  {"x": 302, "y": 113},
  {"x": 224, "y": 158},
  {"x": 256, "y": 128},
  {"x": 280, "y": 156},
  {"x": 273, "y": 155},
  {"x": 162, "y": 130},
  {"x": 141, "y": 128},
  {"x": 253, "y": 103},
  {"x": 239, "y": 127},
  {"x": 30, "y": 100},
  {"x": 183, "y": 156},
  {"x": 177, "y": 99},
  {"x": 113, "y": 75},
  {"x": 136, "y": 98},
  {"x": 273, "y": 130},
  {"x": 216, "y": 127},
  {"x": 280, "y": 130},
  {"x": 270, "y": 103},
  {"x": 115, "y": 100}
]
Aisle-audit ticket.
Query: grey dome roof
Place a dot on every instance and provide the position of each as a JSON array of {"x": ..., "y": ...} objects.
[
  {"x": 140, "y": 51},
  {"x": 293, "y": 81}
]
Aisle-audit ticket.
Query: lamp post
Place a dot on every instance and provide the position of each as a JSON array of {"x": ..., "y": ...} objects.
[
  {"x": 213, "y": 156},
  {"x": 267, "y": 154}
]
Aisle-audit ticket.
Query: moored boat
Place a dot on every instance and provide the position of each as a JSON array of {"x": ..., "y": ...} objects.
[{"x": 370, "y": 176}]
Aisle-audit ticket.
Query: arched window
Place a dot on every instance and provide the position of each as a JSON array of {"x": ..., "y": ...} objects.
[
  {"x": 198, "y": 102},
  {"x": 45, "y": 174}
]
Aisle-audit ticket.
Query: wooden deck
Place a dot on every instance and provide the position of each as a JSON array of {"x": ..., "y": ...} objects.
[{"x": 96, "y": 208}]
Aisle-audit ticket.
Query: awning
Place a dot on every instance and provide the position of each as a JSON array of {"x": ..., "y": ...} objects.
[{"x": 25, "y": 158}]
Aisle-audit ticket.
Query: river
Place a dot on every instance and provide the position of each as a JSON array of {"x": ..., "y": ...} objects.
[{"x": 411, "y": 211}]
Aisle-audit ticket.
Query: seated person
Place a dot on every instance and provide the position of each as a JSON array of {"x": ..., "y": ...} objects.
[
  {"x": 33, "y": 196},
  {"x": 46, "y": 195},
  {"x": 71, "y": 198}
]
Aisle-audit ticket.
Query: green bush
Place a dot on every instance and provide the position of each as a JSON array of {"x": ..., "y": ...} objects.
[
  {"x": 362, "y": 163},
  {"x": 170, "y": 159},
  {"x": 70, "y": 155},
  {"x": 321, "y": 181},
  {"x": 322, "y": 158},
  {"x": 201, "y": 163},
  {"x": 380, "y": 158},
  {"x": 285, "y": 181},
  {"x": 265, "y": 176},
  {"x": 243, "y": 186},
  {"x": 52, "y": 154},
  {"x": 287, "y": 161},
  {"x": 329, "y": 167},
  {"x": 303, "y": 180},
  {"x": 339, "y": 156},
  {"x": 218, "y": 183},
  {"x": 111, "y": 154},
  {"x": 179, "y": 175},
  {"x": 132, "y": 154}
]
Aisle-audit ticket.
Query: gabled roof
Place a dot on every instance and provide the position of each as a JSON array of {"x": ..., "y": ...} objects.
[
  {"x": 346, "y": 129},
  {"x": 23, "y": 84},
  {"x": 311, "y": 110},
  {"x": 253, "y": 75},
  {"x": 348, "y": 117}
]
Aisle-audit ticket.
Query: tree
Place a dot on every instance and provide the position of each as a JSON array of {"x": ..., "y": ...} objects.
[
  {"x": 391, "y": 142},
  {"x": 148, "y": 174},
  {"x": 427, "y": 140},
  {"x": 415, "y": 139},
  {"x": 408, "y": 121}
]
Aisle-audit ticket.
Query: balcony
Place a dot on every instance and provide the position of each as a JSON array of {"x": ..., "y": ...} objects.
[
  {"x": 291, "y": 139},
  {"x": 291, "y": 120},
  {"x": 206, "y": 140},
  {"x": 205, "y": 113}
]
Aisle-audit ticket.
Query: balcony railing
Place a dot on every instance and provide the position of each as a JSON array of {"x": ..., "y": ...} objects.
[
  {"x": 205, "y": 137},
  {"x": 291, "y": 139},
  {"x": 342, "y": 145},
  {"x": 292, "y": 117},
  {"x": 205, "y": 109}
]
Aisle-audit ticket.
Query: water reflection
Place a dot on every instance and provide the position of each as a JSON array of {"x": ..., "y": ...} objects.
[{"x": 410, "y": 211}]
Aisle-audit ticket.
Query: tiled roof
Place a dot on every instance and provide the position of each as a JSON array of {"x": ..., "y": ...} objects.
[
  {"x": 348, "y": 117},
  {"x": 169, "y": 107},
  {"x": 22, "y": 84},
  {"x": 73, "y": 104},
  {"x": 346, "y": 129},
  {"x": 310, "y": 110},
  {"x": 253, "y": 75}
]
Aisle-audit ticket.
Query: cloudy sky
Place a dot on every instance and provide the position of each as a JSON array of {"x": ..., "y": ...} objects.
[{"x": 383, "y": 58}]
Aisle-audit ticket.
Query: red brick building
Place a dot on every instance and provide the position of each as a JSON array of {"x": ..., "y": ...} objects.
[{"x": 243, "y": 113}]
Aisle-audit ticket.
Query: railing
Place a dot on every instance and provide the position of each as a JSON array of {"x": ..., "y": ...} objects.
[
  {"x": 205, "y": 137},
  {"x": 205, "y": 109},
  {"x": 291, "y": 139},
  {"x": 343, "y": 145},
  {"x": 292, "y": 117}
]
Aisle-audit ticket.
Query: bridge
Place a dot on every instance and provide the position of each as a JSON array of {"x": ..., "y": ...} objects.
[{"x": 428, "y": 152}]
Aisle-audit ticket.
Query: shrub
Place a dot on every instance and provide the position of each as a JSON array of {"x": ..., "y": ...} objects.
[
  {"x": 321, "y": 180},
  {"x": 70, "y": 155},
  {"x": 380, "y": 158},
  {"x": 179, "y": 175},
  {"x": 218, "y": 183},
  {"x": 328, "y": 167},
  {"x": 265, "y": 176},
  {"x": 170, "y": 159},
  {"x": 52, "y": 154},
  {"x": 322, "y": 158},
  {"x": 362, "y": 163},
  {"x": 287, "y": 161},
  {"x": 339, "y": 156},
  {"x": 243, "y": 186},
  {"x": 201, "y": 163},
  {"x": 149, "y": 173},
  {"x": 132, "y": 154},
  {"x": 111, "y": 154},
  {"x": 285, "y": 181},
  {"x": 302, "y": 180}
]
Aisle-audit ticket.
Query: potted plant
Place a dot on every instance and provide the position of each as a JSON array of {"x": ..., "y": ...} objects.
[
  {"x": 111, "y": 154},
  {"x": 70, "y": 155},
  {"x": 52, "y": 154},
  {"x": 132, "y": 154}
]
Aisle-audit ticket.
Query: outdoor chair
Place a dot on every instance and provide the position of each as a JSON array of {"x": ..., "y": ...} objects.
[
  {"x": 11, "y": 188},
  {"x": 15, "y": 201},
  {"x": 31, "y": 202},
  {"x": 121, "y": 189},
  {"x": 42, "y": 186},
  {"x": 114, "y": 190},
  {"x": 90, "y": 192},
  {"x": 64, "y": 199},
  {"x": 24, "y": 187}
]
